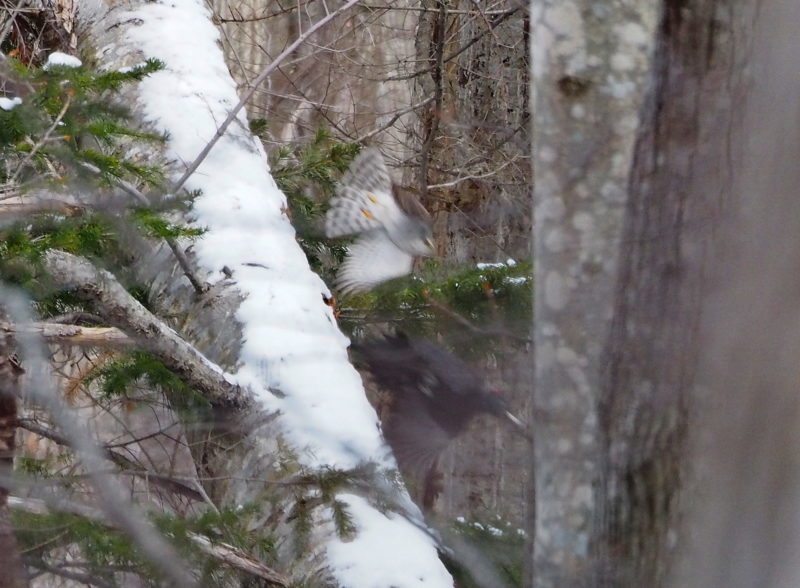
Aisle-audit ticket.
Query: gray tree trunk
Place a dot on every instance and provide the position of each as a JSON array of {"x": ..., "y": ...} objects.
[
  {"x": 634, "y": 104},
  {"x": 743, "y": 524},
  {"x": 590, "y": 85}
]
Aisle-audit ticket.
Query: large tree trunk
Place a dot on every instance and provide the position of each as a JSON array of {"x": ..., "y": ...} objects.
[
  {"x": 744, "y": 527},
  {"x": 589, "y": 90},
  {"x": 632, "y": 110}
]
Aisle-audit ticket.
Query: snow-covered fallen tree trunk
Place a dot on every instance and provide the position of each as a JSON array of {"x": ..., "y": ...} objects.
[{"x": 263, "y": 320}]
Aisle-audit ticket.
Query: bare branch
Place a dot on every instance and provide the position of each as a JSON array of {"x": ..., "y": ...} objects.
[
  {"x": 260, "y": 78},
  {"x": 120, "y": 309},
  {"x": 465, "y": 178},
  {"x": 16, "y": 209},
  {"x": 43, "y": 140},
  {"x": 238, "y": 559},
  {"x": 73, "y": 334},
  {"x": 255, "y": 18},
  {"x": 394, "y": 119},
  {"x": 425, "y": 9},
  {"x": 128, "y": 465}
]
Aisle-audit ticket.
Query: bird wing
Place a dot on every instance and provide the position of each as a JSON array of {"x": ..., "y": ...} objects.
[
  {"x": 353, "y": 212},
  {"x": 416, "y": 439},
  {"x": 364, "y": 198},
  {"x": 372, "y": 259},
  {"x": 368, "y": 173},
  {"x": 409, "y": 203},
  {"x": 454, "y": 373}
]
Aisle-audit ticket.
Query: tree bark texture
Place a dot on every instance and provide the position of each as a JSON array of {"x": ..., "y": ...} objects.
[
  {"x": 623, "y": 260},
  {"x": 743, "y": 522},
  {"x": 592, "y": 69}
]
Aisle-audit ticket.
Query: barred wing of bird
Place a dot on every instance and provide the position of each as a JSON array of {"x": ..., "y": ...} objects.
[
  {"x": 363, "y": 199},
  {"x": 391, "y": 226},
  {"x": 371, "y": 260}
]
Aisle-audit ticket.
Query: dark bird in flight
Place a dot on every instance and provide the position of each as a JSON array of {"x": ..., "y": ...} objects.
[
  {"x": 391, "y": 225},
  {"x": 434, "y": 396}
]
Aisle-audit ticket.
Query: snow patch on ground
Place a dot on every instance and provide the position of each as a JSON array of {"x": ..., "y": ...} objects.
[
  {"x": 291, "y": 341},
  {"x": 10, "y": 103},
  {"x": 58, "y": 58},
  {"x": 508, "y": 263}
]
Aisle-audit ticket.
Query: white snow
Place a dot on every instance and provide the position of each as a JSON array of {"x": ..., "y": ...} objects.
[
  {"x": 494, "y": 531},
  {"x": 393, "y": 542},
  {"x": 131, "y": 67},
  {"x": 10, "y": 103},
  {"x": 291, "y": 341},
  {"x": 508, "y": 262},
  {"x": 58, "y": 58}
]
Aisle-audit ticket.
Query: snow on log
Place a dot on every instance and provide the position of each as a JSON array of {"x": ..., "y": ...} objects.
[{"x": 290, "y": 340}]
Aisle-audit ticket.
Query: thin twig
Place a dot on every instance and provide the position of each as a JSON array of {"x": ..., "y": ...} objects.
[
  {"x": 424, "y": 9},
  {"x": 10, "y": 22},
  {"x": 393, "y": 120},
  {"x": 465, "y": 178},
  {"x": 127, "y": 464},
  {"x": 260, "y": 78},
  {"x": 243, "y": 19},
  {"x": 494, "y": 23},
  {"x": 180, "y": 256},
  {"x": 40, "y": 143}
]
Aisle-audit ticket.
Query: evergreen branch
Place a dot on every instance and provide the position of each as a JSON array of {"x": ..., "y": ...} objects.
[
  {"x": 180, "y": 256},
  {"x": 222, "y": 552},
  {"x": 40, "y": 143}
]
